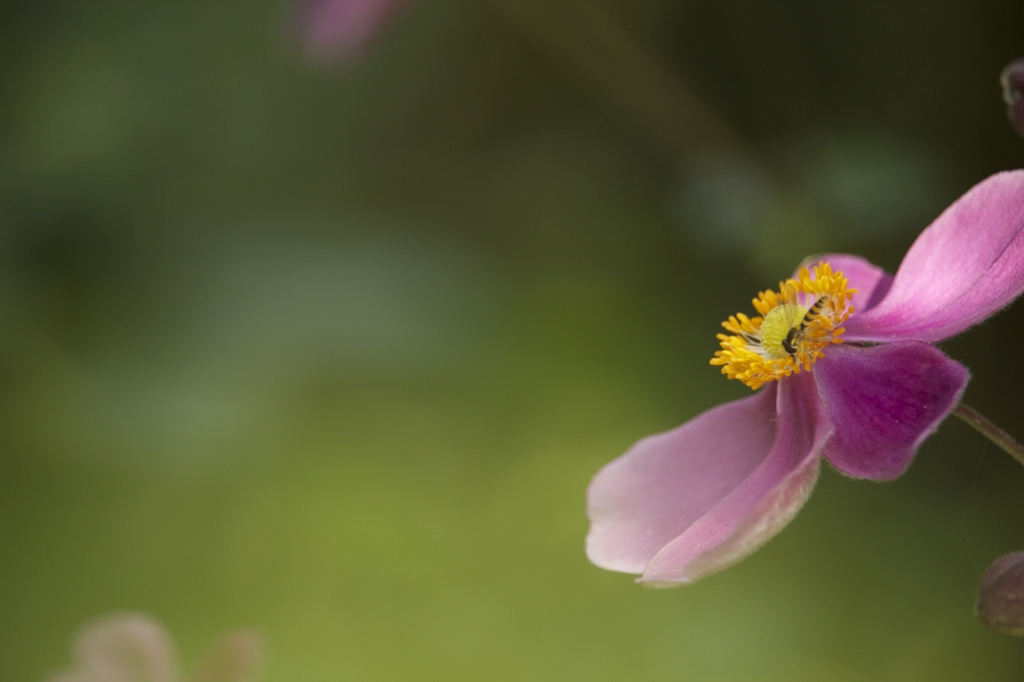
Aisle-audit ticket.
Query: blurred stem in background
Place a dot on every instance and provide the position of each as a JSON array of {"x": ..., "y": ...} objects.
[{"x": 664, "y": 106}]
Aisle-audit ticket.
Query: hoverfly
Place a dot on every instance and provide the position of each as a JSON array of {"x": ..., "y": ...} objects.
[{"x": 794, "y": 334}]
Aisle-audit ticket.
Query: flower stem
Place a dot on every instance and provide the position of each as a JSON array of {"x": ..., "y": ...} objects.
[
  {"x": 664, "y": 105},
  {"x": 1005, "y": 441}
]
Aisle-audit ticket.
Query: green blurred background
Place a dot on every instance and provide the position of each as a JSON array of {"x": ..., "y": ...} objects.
[{"x": 332, "y": 350}]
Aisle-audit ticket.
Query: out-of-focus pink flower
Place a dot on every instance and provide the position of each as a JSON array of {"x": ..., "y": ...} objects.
[
  {"x": 1000, "y": 601},
  {"x": 132, "y": 647},
  {"x": 1012, "y": 80},
  {"x": 342, "y": 28},
  {"x": 848, "y": 373}
]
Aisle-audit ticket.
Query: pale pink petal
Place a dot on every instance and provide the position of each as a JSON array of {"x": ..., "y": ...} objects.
[
  {"x": 122, "y": 648},
  {"x": 342, "y": 28},
  {"x": 763, "y": 503},
  {"x": 649, "y": 496},
  {"x": 871, "y": 282},
  {"x": 963, "y": 268},
  {"x": 884, "y": 401},
  {"x": 236, "y": 658}
]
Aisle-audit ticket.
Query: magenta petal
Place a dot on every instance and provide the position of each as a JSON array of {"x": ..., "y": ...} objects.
[
  {"x": 763, "y": 503},
  {"x": 649, "y": 496},
  {"x": 342, "y": 28},
  {"x": 963, "y": 268},
  {"x": 871, "y": 282},
  {"x": 884, "y": 401}
]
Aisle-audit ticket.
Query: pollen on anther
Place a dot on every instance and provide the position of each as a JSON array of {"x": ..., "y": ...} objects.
[{"x": 793, "y": 327}]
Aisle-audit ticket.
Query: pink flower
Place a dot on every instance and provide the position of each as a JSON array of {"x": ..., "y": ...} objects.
[
  {"x": 342, "y": 28},
  {"x": 844, "y": 355},
  {"x": 132, "y": 647}
]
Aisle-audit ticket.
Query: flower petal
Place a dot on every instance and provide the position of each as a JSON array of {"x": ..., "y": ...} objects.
[
  {"x": 964, "y": 267},
  {"x": 649, "y": 496},
  {"x": 237, "y": 657},
  {"x": 884, "y": 401},
  {"x": 125, "y": 647},
  {"x": 1000, "y": 600},
  {"x": 763, "y": 504},
  {"x": 1012, "y": 80},
  {"x": 871, "y": 282},
  {"x": 342, "y": 28}
]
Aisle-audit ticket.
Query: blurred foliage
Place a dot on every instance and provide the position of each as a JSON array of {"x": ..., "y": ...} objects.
[{"x": 332, "y": 352}]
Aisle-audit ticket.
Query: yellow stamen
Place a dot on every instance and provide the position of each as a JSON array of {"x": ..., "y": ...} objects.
[{"x": 793, "y": 327}]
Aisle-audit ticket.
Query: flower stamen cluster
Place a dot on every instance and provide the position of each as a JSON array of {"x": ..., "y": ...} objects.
[{"x": 791, "y": 331}]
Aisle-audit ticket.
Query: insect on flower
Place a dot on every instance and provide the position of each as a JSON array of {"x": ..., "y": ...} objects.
[
  {"x": 798, "y": 332},
  {"x": 842, "y": 365},
  {"x": 794, "y": 327}
]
